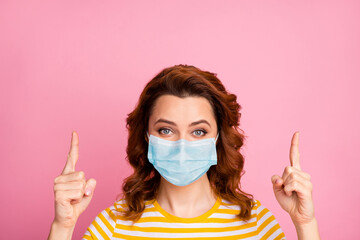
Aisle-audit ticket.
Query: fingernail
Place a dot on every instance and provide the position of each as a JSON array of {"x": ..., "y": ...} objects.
[
  {"x": 88, "y": 192},
  {"x": 277, "y": 181}
]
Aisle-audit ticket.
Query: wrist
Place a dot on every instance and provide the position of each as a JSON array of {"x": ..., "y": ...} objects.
[
  {"x": 305, "y": 225},
  {"x": 307, "y": 230},
  {"x": 58, "y": 231}
]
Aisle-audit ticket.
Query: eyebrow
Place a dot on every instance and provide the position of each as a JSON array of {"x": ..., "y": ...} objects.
[{"x": 174, "y": 124}]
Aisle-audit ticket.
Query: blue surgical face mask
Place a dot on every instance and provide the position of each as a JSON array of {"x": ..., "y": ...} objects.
[{"x": 182, "y": 162}]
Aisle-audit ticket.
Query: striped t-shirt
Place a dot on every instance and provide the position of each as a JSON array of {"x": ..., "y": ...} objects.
[{"x": 220, "y": 222}]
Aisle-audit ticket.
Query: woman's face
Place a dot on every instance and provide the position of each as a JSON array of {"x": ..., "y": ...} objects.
[{"x": 190, "y": 118}]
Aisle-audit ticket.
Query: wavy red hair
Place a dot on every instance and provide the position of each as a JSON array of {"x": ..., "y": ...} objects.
[{"x": 183, "y": 81}]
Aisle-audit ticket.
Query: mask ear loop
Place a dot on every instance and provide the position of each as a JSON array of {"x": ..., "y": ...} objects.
[
  {"x": 148, "y": 137},
  {"x": 216, "y": 137}
]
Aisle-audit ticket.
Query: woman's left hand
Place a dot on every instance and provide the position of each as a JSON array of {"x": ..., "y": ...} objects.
[{"x": 293, "y": 190}]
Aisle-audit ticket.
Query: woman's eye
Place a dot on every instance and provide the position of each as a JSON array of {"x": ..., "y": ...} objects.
[
  {"x": 199, "y": 132},
  {"x": 164, "y": 131}
]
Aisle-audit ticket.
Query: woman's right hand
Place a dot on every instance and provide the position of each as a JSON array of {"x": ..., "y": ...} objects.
[{"x": 72, "y": 192}]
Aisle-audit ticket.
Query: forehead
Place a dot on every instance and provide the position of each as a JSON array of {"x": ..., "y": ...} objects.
[{"x": 188, "y": 108}]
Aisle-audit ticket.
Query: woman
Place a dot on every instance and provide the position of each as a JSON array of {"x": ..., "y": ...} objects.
[{"x": 185, "y": 125}]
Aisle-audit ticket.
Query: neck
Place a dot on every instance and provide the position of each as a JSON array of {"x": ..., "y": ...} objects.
[{"x": 186, "y": 201}]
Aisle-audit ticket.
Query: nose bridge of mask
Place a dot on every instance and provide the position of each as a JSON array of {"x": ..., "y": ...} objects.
[{"x": 217, "y": 136}]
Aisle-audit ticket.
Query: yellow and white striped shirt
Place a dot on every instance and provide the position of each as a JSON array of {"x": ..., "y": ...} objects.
[{"x": 219, "y": 222}]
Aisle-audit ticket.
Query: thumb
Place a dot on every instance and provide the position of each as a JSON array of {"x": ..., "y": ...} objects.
[
  {"x": 89, "y": 193},
  {"x": 277, "y": 182}
]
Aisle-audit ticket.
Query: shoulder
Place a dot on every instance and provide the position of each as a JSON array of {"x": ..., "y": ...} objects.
[
  {"x": 258, "y": 208},
  {"x": 267, "y": 225},
  {"x": 121, "y": 205},
  {"x": 261, "y": 212},
  {"x": 257, "y": 211},
  {"x": 102, "y": 227}
]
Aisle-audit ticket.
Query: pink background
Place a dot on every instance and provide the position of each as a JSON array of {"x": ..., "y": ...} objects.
[{"x": 66, "y": 65}]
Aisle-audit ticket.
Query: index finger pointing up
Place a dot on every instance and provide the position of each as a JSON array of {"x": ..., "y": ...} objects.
[
  {"x": 294, "y": 151},
  {"x": 73, "y": 155}
]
